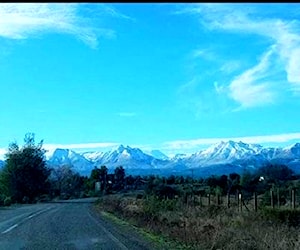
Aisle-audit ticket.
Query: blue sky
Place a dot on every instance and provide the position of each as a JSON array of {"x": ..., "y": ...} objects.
[{"x": 174, "y": 77}]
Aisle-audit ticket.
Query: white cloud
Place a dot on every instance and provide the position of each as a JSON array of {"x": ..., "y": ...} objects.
[
  {"x": 81, "y": 145},
  {"x": 293, "y": 67},
  {"x": 77, "y": 147},
  {"x": 250, "y": 88},
  {"x": 219, "y": 89},
  {"x": 283, "y": 35},
  {"x": 230, "y": 66},
  {"x": 206, "y": 54},
  {"x": 22, "y": 20},
  {"x": 2, "y": 153}
]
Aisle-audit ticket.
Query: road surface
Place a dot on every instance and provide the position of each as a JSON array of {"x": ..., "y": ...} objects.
[{"x": 62, "y": 225}]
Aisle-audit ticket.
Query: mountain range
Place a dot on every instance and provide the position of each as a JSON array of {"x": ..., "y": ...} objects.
[{"x": 221, "y": 158}]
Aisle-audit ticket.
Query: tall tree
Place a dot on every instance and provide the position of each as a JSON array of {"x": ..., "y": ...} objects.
[
  {"x": 120, "y": 177},
  {"x": 66, "y": 183},
  {"x": 25, "y": 173},
  {"x": 103, "y": 177}
]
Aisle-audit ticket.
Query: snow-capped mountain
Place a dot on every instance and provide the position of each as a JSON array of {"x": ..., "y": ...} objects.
[
  {"x": 70, "y": 158},
  {"x": 130, "y": 157},
  {"x": 227, "y": 156},
  {"x": 225, "y": 152},
  {"x": 291, "y": 152},
  {"x": 93, "y": 156},
  {"x": 158, "y": 155}
]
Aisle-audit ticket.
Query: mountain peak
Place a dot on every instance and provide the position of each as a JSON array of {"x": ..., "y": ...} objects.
[
  {"x": 158, "y": 154},
  {"x": 224, "y": 152},
  {"x": 120, "y": 148}
]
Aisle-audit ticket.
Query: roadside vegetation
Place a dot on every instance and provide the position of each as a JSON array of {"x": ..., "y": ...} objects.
[
  {"x": 258, "y": 210},
  {"x": 252, "y": 210}
]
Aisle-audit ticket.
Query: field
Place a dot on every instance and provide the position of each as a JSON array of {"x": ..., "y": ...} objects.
[{"x": 195, "y": 226}]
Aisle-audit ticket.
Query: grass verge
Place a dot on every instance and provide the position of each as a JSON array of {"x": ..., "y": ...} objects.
[{"x": 172, "y": 225}]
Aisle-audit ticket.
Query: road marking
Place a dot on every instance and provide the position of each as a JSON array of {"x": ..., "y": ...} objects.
[
  {"x": 9, "y": 229},
  {"x": 25, "y": 219}
]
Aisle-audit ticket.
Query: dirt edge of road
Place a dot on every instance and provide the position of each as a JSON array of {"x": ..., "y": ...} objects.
[{"x": 125, "y": 232}]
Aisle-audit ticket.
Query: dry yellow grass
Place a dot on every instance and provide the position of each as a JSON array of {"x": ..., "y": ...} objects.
[{"x": 196, "y": 227}]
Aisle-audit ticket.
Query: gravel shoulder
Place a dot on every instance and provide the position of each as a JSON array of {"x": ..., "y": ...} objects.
[{"x": 127, "y": 234}]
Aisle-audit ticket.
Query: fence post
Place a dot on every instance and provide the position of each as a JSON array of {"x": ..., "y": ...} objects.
[
  {"x": 228, "y": 200},
  {"x": 272, "y": 198},
  {"x": 278, "y": 198},
  {"x": 241, "y": 202},
  {"x": 208, "y": 196},
  {"x": 293, "y": 198},
  {"x": 218, "y": 200},
  {"x": 255, "y": 201}
]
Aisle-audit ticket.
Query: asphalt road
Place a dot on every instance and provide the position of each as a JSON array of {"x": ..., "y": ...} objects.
[{"x": 63, "y": 225}]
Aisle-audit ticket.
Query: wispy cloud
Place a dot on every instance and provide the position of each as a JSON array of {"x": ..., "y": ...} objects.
[
  {"x": 283, "y": 35},
  {"x": 203, "y": 97},
  {"x": 230, "y": 66},
  {"x": 126, "y": 114},
  {"x": 253, "y": 83},
  {"x": 2, "y": 153},
  {"x": 81, "y": 145},
  {"x": 206, "y": 54},
  {"x": 23, "y": 20},
  {"x": 76, "y": 146}
]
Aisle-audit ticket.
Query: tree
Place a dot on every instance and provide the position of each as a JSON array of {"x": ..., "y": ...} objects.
[
  {"x": 171, "y": 180},
  {"x": 120, "y": 177},
  {"x": 234, "y": 183},
  {"x": 25, "y": 174},
  {"x": 103, "y": 177},
  {"x": 275, "y": 173},
  {"x": 66, "y": 183},
  {"x": 95, "y": 174}
]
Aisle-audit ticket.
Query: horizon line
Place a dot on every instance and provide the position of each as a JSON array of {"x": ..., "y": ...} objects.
[{"x": 172, "y": 146}]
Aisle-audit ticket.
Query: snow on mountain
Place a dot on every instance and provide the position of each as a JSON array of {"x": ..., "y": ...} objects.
[
  {"x": 129, "y": 157},
  {"x": 93, "y": 156},
  {"x": 283, "y": 154},
  {"x": 177, "y": 157},
  {"x": 158, "y": 155},
  {"x": 229, "y": 156},
  {"x": 68, "y": 157},
  {"x": 271, "y": 153},
  {"x": 292, "y": 151},
  {"x": 224, "y": 152}
]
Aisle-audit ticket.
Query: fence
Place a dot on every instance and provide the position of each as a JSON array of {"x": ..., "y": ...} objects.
[{"x": 275, "y": 199}]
